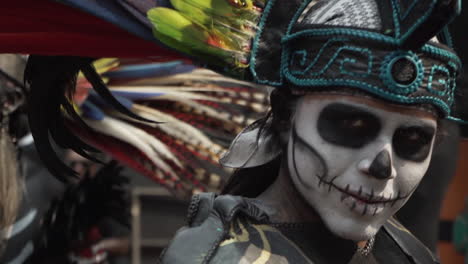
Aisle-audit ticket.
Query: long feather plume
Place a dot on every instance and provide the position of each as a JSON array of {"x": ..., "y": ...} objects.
[
  {"x": 49, "y": 91},
  {"x": 198, "y": 113},
  {"x": 50, "y": 104}
]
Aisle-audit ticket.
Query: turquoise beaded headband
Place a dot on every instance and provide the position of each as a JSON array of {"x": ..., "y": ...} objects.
[{"x": 397, "y": 75}]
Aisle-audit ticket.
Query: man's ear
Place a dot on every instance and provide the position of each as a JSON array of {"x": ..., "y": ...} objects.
[
  {"x": 283, "y": 107},
  {"x": 283, "y": 128},
  {"x": 284, "y": 137}
]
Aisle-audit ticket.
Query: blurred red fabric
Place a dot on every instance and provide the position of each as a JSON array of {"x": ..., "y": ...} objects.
[{"x": 49, "y": 28}]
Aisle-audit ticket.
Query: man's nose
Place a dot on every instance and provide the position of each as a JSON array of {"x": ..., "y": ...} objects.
[{"x": 381, "y": 167}]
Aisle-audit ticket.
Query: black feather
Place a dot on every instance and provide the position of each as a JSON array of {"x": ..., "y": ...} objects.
[
  {"x": 101, "y": 88},
  {"x": 78, "y": 121},
  {"x": 442, "y": 14},
  {"x": 51, "y": 81}
]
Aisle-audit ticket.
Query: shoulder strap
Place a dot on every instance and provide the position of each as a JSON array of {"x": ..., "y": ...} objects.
[
  {"x": 209, "y": 219},
  {"x": 409, "y": 244},
  {"x": 200, "y": 208}
]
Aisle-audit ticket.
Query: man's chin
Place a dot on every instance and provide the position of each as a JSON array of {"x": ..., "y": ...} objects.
[{"x": 351, "y": 229}]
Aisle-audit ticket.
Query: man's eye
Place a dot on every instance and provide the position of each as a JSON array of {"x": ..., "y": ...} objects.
[
  {"x": 414, "y": 137},
  {"x": 356, "y": 123},
  {"x": 413, "y": 143},
  {"x": 347, "y": 126}
]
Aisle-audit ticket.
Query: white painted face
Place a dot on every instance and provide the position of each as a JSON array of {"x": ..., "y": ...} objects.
[{"x": 357, "y": 160}]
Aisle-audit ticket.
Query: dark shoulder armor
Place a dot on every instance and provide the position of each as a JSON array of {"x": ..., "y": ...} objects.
[
  {"x": 200, "y": 208},
  {"x": 409, "y": 244},
  {"x": 209, "y": 219}
]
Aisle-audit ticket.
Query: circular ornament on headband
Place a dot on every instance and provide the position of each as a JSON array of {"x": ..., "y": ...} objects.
[{"x": 402, "y": 72}]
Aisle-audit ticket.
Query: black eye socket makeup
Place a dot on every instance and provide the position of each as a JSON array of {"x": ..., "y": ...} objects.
[
  {"x": 413, "y": 142},
  {"x": 347, "y": 126}
]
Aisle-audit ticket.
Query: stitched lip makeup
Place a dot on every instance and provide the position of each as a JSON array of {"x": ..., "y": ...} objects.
[{"x": 366, "y": 203}]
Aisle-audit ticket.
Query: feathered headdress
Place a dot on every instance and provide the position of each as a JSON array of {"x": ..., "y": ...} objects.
[{"x": 386, "y": 48}]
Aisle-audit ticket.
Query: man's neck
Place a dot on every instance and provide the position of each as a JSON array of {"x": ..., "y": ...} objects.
[{"x": 289, "y": 205}]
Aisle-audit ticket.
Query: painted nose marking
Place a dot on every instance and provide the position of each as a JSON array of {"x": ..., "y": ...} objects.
[{"x": 381, "y": 167}]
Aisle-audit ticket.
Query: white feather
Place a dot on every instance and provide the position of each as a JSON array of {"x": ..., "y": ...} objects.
[{"x": 133, "y": 136}]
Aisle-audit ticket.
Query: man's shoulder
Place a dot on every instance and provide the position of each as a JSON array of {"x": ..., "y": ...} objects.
[
  {"x": 408, "y": 243},
  {"x": 208, "y": 222}
]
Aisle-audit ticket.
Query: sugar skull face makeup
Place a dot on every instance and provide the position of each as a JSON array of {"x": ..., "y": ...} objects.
[{"x": 356, "y": 161}]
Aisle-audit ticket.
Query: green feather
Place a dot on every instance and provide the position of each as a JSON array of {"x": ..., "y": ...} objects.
[
  {"x": 235, "y": 24},
  {"x": 178, "y": 32},
  {"x": 223, "y": 8},
  {"x": 219, "y": 13},
  {"x": 217, "y": 31}
]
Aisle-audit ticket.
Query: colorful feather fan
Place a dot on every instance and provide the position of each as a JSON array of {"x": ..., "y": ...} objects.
[
  {"x": 198, "y": 113},
  {"x": 217, "y": 33}
]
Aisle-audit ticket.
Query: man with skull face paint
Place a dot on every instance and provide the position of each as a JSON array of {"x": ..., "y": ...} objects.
[
  {"x": 360, "y": 87},
  {"x": 353, "y": 123}
]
